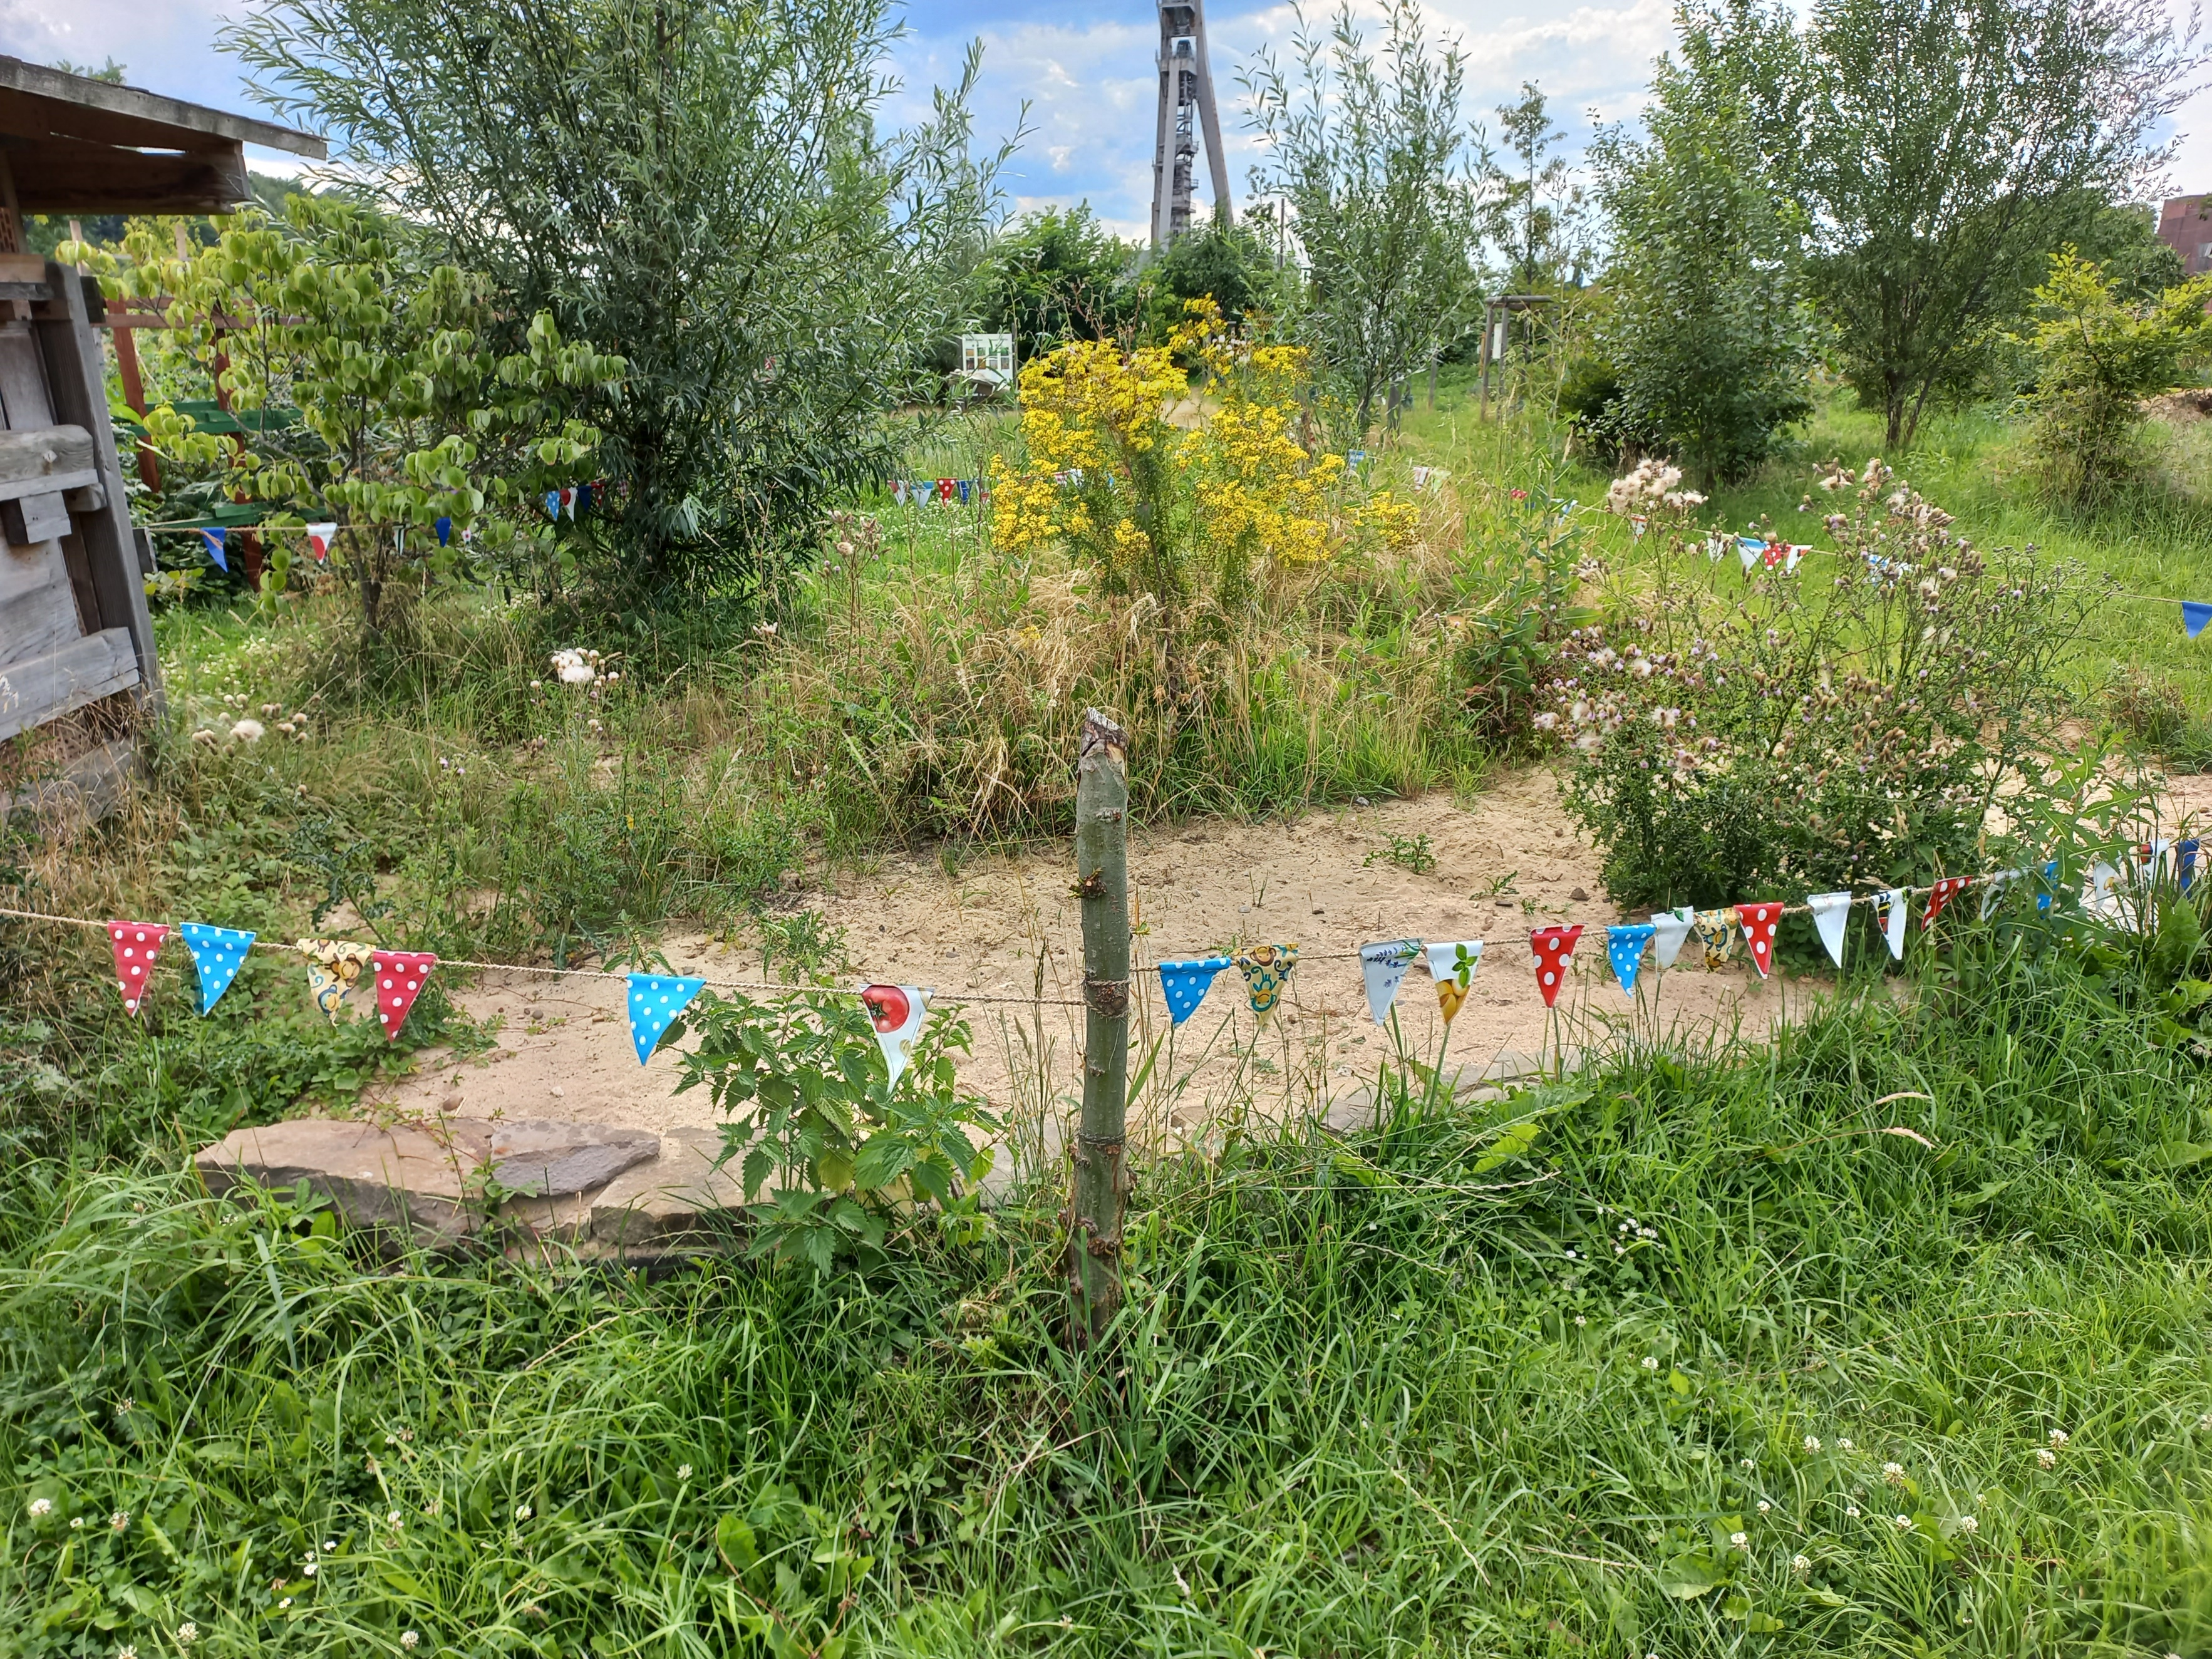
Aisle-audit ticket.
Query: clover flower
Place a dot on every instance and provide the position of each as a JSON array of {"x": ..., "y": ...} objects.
[
  {"x": 1812, "y": 1443},
  {"x": 187, "y": 1633},
  {"x": 1739, "y": 1540},
  {"x": 1902, "y": 1523},
  {"x": 1968, "y": 1524},
  {"x": 1650, "y": 1364},
  {"x": 41, "y": 1508},
  {"x": 120, "y": 1521},
  {"x": 2046, "y": 1457},
  {"x": 408, "y": 1638},
  {"x": 1801, "y": 1565}
]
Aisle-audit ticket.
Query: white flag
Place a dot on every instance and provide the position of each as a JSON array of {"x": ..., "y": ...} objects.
[
  {"x": 1669, "y": 930},
  {"x": 1891, "y": 907},
  {"x": 896, "y": 1012},
  {"x": 319, "y": 537},
  {"x": 1383, "y": 966},
  {"x": 1831, "y": 912}
]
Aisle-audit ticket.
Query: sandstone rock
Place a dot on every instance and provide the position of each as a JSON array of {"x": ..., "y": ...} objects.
[
  {"x": 403, "y": 1179},
  {"x": 678, "y": 1197},
  {"x": 549, "y": 1159}
]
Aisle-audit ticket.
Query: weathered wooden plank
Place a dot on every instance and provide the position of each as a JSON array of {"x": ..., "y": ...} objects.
[
  {"x": 53, "y": 100},
  {"x": 87, "y": 790},
  {"x": 25, "y": 401},
  {"x": 65, "y": 175},
  {"x": 40, "y": 454},
  {"x": 40, "y": 516},
  {"x": 75, "y": 370},
  {"x": 34, "y": 692},
  {"x": 38, "y": 606}
]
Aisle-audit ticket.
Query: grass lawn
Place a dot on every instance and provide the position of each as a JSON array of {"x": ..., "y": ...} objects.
[{"x": 1888, "y": 1337}]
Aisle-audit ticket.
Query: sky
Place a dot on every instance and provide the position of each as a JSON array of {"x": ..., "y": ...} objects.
[{"x": 1083, "y": 67}]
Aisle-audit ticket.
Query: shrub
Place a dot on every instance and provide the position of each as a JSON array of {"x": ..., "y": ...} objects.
[{"x": 1809, "y": 734}]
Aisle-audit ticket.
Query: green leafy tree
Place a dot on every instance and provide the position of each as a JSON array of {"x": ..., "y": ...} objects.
[
  {"x": 708, "y": 188},
  {"x": 1216, "y": 259},
  {"x": 1058, "y": 276},
  {"x": 1940, "y": 149},
  {"x": 2096, "y": 356},
  {"x": 1368, "y": 152},
  {"x": 1532, "y": 208},
  {"x": 368, "y": 390},
  {"x": 1709, "y": 343}
]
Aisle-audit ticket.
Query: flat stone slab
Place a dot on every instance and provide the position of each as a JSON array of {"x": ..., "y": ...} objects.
[
  {"x": 404, "y": 1179},
  {"x": 544, "y": 1158}
]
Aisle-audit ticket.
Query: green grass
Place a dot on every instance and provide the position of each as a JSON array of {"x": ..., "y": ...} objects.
[{"x": 1364, "y": 1400}]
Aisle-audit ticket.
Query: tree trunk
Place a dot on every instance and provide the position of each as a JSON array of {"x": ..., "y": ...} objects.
[{"x": 1100, "y": 1184}]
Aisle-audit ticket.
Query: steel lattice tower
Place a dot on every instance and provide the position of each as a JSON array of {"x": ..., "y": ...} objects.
[{"x": 1186, "y": 102}]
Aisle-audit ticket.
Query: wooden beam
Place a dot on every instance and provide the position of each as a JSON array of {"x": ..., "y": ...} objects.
[
  {"x": 77, "y": 105},
  {"x": 67, "y": 175},
  {"x": 45, "y": 453},
  {"x": 84, "y": 671}
]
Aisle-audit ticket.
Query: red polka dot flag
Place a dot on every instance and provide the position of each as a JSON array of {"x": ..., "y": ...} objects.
[
  {"x": 400, "y": 975},
  {"x": 1555, "y": 950},
  {"x": 136, "y": 943},
  {"x": 1942, "y": 894},
  {"x": 1758, "y": 924}
]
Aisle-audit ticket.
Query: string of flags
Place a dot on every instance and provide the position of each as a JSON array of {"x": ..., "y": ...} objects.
[
  {"x": 926, "y": 492},
  {"x": 336, "y": 969}
]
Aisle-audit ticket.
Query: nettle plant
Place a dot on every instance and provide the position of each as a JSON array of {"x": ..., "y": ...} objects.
[
  {"x": 1875, "y": 716},
  {"x": 407, "y": 412},
  {"x": 811, "y": 1108}
]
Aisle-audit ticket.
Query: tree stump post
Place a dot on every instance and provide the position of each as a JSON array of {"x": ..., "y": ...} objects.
[{"x": 1100, "y": 1178}]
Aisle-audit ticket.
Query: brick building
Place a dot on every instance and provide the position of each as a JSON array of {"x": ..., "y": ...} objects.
[{"x": 2184, "y": 224}]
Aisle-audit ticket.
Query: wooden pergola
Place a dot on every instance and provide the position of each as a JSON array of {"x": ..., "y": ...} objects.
[{"x": 76, "y": 642}]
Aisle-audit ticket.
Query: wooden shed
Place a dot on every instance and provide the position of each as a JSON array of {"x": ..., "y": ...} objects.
[{"x": 78, "y": 672}]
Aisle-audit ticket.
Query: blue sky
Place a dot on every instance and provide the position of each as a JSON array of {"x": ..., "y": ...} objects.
[{"x": 1084, "y": 68}]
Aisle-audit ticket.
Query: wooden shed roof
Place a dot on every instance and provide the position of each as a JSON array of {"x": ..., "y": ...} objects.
[{"x": 77, "y": 145}]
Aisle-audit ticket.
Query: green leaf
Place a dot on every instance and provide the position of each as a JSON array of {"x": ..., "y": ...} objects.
[
  {"x": 1690, "y": 1576},
  {"x": 734, "y": 1539},
  {"x": 2177, "y": 1155}
]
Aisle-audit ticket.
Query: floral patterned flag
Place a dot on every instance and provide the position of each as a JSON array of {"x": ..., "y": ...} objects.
[
  {"x": 896, "y": 1012},
  {"x": 218, "y": 953},
  {"x": 1669, "y": 930},
  {"x": 655, "y": 1001},
  {"x": 1555, "y": 954},
  {"x": 1452, "y": 967},
  {"x": 334, "y": 968},
  {"x": 1832, "y": 913},
  {"x": 1186, "y": 983},
  {"x": 1624, "y": 948},
  {"x": 1383, "y": 966},
  {"x": 1942, "y": 894},
  {"x": 135, "y": 945},
  {"x": 1890, "y": 909},
  {"x": 1759, "y": 921},
  {"x": 1267, "y": 970},
  {"x": 400, "y": 976},
  {"x": 1716, "y": 931}
]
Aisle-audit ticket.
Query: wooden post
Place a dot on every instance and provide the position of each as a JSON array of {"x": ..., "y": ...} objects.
[{"x": 1100, "y": 1184}]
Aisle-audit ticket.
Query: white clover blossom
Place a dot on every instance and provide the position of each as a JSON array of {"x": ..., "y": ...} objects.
[
  {"x": 408, "y": 1638},
  {"x": 1651, "y": 1362},
  {"x": 1739, "y": 1540},
  {"x": 1801, "y": 1565},
  {"x": 1843, "y": 1445},
  {"x": 522, "y": 1511},
  {"x": 684, "y": 1472},
  {"x": 187, "y": 1633},
  {"x": 1902, "y": 1523},
  {"x": 1967, "y": 1523},
  {"x": 1852, "y": 1510},
  {"x": 2058, "y": 1438},
  {"x": 120, "y": 1521},
  {"x": 2046, "y": 1457},
  {"x": 41, "y": 1508},
  {"x": 1812, "y": 1443}
]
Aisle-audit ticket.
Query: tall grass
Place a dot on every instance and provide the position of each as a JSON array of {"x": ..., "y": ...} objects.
[{"x": 1406, "y": 1391}]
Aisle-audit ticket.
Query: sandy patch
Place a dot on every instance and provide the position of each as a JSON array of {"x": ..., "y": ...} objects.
[{"x": 1008, "y": 926}]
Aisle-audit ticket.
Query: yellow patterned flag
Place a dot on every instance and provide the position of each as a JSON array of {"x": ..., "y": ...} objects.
[{"x": 334, "y": 966}]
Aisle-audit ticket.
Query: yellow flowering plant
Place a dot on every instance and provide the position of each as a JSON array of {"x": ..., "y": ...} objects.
[{"x": 1181, "y": 515}]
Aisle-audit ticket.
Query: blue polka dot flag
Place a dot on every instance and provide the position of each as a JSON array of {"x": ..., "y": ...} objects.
[
  {"x": 1185, "y": 984},
  {"x": 655, "y": 999},
  {"x": 1624, "y": 948},
  {"x": 218, "y": 953}
]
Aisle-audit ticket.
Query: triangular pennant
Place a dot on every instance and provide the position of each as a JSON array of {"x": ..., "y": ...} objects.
[
  {"x": 945, "y": 489},
  {"x": 552, "y": 503},
  {"x": 320, "y": 536},
  {"x": 214, "y": 538},
  {"x": 1890, "y": 909},
  {"x": 1993, "y": 889},
  {"x": 1751, "y": 549},
  {"x": 136, "y": 943},
  {"x": 2194, "y": 615},
  {"x": 1452, "y": 966},
  {"x": 2048, "y": 884},
  {"x": 2103, "y": 895},
  {"x": 1623, "y": 949},
  {"x": 1555, "y": 954},
  {"x": 1185, "y": 984},
  {"x": 1383, "y": 966},
  {"x": 1832, "y": 913},
  {"x": 963, "y": 492},
  {"x": 334, "y": 966},
  {"x": 896, "y": 1012},
  {"x": 568, "y": 500},
  {"x": 655, "y": 1001},
  {"x": 1716, "y": 931},
  {"x": 898, "y": 491},
  {"x": 1759, "y": 921},
  {"x": 1669, "y": 930},
  {"x": 1942, "y": 894},
  {"x": 2184, "y": 860},
  {"x": 218, "y": 953},
  {"x": 1267, "y": 970},
  {"x": 400, "y": 976},
  {"x": 444, "y": 526}
]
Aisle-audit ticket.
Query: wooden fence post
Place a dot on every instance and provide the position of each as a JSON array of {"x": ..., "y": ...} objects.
[{"x": 1100, "y": 1182}]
